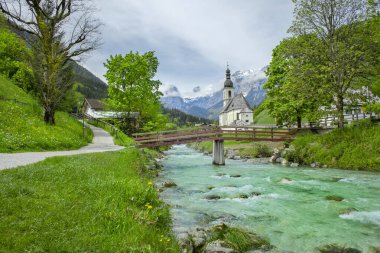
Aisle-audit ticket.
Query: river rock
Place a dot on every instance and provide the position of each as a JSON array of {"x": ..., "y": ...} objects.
[
  {"x": 284, "y": 162},
  {"x": 243, "y": 196},
  {"x": 212, "y": 197},
  {"x": 237, "y": 157},
  {"x": 279, "y": 160},
  {"x": 235, "y": 175},
  {"x": 255, "y": 193},
  {"x": 286, "y": 181},
  {"x": 150, "y": 167},
  {"x": 347, "y": 210},
  {"x": 294, "y": 165},
  {"x": 332, "y": 248},
  {"x": 169, "y": 184},
  {"x": 334, "y": 198},
  {"x": 185, "y": 243},
  {"x": 218, "y": 246}
]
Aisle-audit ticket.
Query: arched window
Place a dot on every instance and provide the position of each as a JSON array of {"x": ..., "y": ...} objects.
[{"x": 229, "y": 94}]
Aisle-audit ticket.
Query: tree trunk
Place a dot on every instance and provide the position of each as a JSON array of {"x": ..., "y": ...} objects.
[
  {"x": 299, "y": 121},
  {"x": 340, "y": 110},
  {"x": 49, "y": 116}
]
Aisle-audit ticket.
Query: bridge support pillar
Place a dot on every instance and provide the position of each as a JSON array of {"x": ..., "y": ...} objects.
[{"x": 218, "y": 152}]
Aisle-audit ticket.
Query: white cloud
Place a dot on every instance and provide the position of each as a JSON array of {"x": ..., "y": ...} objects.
[{"x": 193, "y": 39}]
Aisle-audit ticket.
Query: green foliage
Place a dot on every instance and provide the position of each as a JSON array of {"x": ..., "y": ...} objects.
[
  {"x": 348, "y": 47},
  {"x": 13, "y": 59},
  {"x": 238, "y": 239},
  {"x": 131, "y": 87},
  {"x": 86, "y": 203},
  {"x": 355, "y": 147},
  {"x": 88, "y": 84},
  {"x": 182, "y": 119},
  {"x": 291, "y": 94},
  {"x": 257, "y": 151},
  {"x": 263, "y": 117},
  {"x": 157, "y": 123},
  {"x": 22, "y": 127}
]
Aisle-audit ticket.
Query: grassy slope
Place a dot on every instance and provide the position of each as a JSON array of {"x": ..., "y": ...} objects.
[
  {"x": 264, "y": 118},
  {"x": 356, "y": 148},
  {"x": 22, "y": 127},
  {"x": 87, "y": 203}
]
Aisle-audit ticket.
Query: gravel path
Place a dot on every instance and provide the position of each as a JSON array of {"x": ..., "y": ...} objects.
[{"x": 102, "y": 142}]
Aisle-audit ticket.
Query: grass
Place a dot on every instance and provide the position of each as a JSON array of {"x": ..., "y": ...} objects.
[
  {"x": 354, "y": 147},
  {"x": 238, "y": 239},
  {"x": 22, "y": 127},
  {"x": 264, "y": 118},
  {"x": 245, "y": 149},
  {"x": 100, "y": 202}
]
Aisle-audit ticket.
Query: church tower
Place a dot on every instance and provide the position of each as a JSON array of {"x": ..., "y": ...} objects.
[{"x": 228, "y": 90}]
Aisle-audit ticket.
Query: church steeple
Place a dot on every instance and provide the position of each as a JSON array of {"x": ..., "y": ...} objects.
[
  {"x": 228, "y": 82},
  {"x": 228, "y": 89}
]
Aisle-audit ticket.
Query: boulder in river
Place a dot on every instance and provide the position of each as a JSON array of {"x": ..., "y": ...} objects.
[
  {"x": 347, "y": 210},
  {"x": 235, "y": 175},
  {"x": 169, "y": 184},
  {"x": 286, "y": 181},
  {"x": 334, "y": 198},
  {"x": 218, "y": 246},
  {"x": 333, "y": 248},
  {"x": 212, "y": 197}
]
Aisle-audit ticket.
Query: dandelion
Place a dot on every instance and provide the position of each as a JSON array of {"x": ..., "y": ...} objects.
[
  {"x": 150, "y": 183},
  {"x": 148, "y": 206}
]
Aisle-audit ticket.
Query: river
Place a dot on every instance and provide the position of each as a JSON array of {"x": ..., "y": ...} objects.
[{"x": 287, "y": 206}]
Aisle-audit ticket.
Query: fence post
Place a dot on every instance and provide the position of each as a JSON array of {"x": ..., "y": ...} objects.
[{"x": 272, "y": 133}]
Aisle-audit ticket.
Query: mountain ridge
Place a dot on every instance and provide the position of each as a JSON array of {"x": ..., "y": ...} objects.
[{"x": 249, "y": 82}]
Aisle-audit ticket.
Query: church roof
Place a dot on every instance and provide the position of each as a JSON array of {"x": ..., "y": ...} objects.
[{"x": 238, "y": 102}]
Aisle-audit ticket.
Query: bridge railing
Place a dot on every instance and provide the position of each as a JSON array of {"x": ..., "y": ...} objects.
[{"x": 153, "y": 139}]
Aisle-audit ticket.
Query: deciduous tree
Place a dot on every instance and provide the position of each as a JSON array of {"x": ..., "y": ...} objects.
[
  {"x": 58, "y": 31},
  {"x": 131, "y": 87},
  {"x": 347, "y": 57}
]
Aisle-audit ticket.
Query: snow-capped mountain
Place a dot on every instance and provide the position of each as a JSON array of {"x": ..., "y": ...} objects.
[{"x": 248, "y": 82}]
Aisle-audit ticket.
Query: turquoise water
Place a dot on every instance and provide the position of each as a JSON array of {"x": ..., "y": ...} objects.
[{"x": 292, "y": 213}]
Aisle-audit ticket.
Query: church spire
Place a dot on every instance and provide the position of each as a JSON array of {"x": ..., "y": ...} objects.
[{"x": 228, "y": 82}]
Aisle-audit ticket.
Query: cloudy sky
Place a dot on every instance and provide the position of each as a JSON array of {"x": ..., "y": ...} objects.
[{"x": 193, "y": 39}]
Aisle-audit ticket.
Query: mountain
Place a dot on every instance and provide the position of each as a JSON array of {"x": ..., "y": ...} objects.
[
  {"x": 89, "y": 85},
  {"x": 248, "y": 82}
]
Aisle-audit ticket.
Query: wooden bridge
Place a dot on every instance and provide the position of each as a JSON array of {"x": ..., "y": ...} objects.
[{"x": 218, "y": 135}]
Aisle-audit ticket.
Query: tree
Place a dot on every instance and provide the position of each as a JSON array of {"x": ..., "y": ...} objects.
[
  {"x": 291, "y": 95},
  {"x": 339, "y": 26},
  {"x": 14, "y": 56},
  {"x": 131, "y": 87},
  {"x": 58, "y": 32}
]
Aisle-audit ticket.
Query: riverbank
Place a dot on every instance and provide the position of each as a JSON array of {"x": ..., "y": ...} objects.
[
  {"x": 356, "y": 147},
  {"x": 241, "y": 150},
  {"x": 94, "y": 202}
]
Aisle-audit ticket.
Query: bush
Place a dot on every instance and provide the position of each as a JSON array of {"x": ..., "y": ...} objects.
[{"x": 354, "y": 147}]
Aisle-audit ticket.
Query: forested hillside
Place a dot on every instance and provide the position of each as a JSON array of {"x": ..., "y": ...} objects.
[
  {"x": 183, "y": 119},
  {"x": 89, "y": 85}
]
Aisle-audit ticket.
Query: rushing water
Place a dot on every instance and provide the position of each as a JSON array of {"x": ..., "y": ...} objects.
[{"x": 293, "y": 214}]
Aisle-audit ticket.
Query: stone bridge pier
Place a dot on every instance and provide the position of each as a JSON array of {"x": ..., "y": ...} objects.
[{"x": 218, "y": 152}]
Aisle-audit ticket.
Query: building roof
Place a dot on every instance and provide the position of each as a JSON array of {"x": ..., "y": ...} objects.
[
  {"x": 238, "y": 102},
  {"x": 95, "y": 104}
]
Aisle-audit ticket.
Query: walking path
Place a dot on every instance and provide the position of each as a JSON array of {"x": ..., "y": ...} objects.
[{"x": 102, "y": 142}]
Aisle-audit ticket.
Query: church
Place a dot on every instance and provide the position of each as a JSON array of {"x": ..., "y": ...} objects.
[{"x": 236, "y": 109}]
